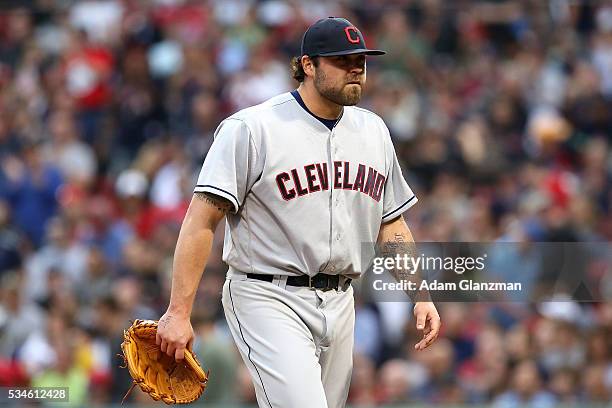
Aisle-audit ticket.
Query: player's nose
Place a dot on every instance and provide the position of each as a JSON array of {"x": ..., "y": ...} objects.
[{"x": 357, "y": 69}]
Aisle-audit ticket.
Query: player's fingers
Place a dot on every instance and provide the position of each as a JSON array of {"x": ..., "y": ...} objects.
[
  {"x": 179, "y": 354},
  {"x": 430, "y": 337},
  {"x": 435, "y": 324},
  {"x": 420, "y": 320},
  {"x": 170, "y": 350},
  {"x": 426, "y": 341},
  {"x": 163, "y": 346},
  {"x": 158, "y": 339}
]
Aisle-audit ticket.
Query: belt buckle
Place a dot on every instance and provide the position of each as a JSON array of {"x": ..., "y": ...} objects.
[
  {"x": 312, "y": 283},
  {"x": 327, "y": 286}
]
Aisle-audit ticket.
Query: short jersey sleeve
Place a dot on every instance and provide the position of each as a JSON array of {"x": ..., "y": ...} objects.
[
  {"x": 398, "y": 196},
  {"x": 228, "y": 169}
]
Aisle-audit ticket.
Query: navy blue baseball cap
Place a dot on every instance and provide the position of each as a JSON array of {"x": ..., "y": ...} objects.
[{"x": 334, "y": 36}]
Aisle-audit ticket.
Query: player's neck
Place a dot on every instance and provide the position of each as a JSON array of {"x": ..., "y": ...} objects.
[{"x": 319, "y": 105}]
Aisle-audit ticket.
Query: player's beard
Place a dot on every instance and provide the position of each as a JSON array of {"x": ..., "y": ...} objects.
[{"x": 344, "y": 94}]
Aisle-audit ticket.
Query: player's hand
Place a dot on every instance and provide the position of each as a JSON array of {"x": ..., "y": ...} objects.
[
  {"x": 428, "y": 321},
  {"x": 174, "y": 334}
]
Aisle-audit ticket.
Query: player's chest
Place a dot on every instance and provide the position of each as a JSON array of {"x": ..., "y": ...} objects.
[
  {"x": 315, "y": 163},
  {"x": 295, "y": 148}
]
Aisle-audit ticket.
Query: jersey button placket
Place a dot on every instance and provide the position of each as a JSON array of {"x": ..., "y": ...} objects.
[{"x": 335, "y": 195}]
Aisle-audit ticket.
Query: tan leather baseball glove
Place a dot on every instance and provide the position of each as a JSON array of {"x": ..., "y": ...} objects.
[{"x": 158, "y": 374}]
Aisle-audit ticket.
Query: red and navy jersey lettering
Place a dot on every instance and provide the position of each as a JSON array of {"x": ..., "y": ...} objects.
[
  {"x": 298, "y": 185},
  {"x": 337, "y": 174},
  {"x": 322, "y": 172},
  {"x": 281, "y": 179},
  {"x": 347, "y": 171},
  {"x": 311, "y": 178},
  {"x": 378, "y": 187},
  {"x": 294, "y": 183},
  {"x": 369, "y": 185},
  {"x": 359, "y": 178}
]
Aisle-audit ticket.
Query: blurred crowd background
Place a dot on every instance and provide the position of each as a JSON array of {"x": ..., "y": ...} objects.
[{"x": 501, "y": 114}]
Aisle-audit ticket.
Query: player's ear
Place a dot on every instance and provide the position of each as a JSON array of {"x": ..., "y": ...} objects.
[{"x": 308, "y": 65}]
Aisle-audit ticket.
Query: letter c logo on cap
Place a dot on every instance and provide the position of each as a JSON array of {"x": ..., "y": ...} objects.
[{"x": 348, "y": 30}]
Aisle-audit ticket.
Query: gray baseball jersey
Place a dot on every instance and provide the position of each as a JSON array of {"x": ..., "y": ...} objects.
[{"x": 305, "y": 197}]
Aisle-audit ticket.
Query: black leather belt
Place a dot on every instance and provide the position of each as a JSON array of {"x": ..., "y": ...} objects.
[{"x": 321, "y": 281}]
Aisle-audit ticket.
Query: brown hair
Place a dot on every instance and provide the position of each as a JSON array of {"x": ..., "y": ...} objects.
[{"x": 297, "y": 70}]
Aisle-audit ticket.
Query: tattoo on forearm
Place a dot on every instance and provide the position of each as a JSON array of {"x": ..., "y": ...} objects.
[
  {"x": 221, "y": 204},
  {"x": 403, "y": 250},
  {"x": 401, "y": 246}
]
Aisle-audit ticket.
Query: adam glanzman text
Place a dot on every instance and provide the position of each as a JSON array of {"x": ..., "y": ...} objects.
[
  {"x": 407, "y": 265},
  {"x": 435, "y": 285}
]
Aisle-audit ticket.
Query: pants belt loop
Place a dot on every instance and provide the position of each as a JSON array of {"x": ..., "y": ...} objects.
[
  {"x": 344, "y": 283},
  {"x": 280, "y": 281}
]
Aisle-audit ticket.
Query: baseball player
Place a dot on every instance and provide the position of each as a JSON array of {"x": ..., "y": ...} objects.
[{"x": 303, "y": 180}]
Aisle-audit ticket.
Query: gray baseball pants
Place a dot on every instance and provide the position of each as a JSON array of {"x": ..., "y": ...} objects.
[{"x": 296, "y": 342}]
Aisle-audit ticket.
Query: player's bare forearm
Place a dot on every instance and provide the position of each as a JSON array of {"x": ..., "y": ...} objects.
[
  {"x": 193, "y": 249},
  {"x": 395, "y": 239}
]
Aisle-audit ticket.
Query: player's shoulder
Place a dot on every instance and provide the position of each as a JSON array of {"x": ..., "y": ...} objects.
[
  {"x": 256, "y": 120},
  {"x": 365, "y": 118},
  {"x": 272, "y": 106}
]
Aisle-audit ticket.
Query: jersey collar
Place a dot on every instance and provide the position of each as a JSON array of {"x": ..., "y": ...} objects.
[{"x": 328, "y": 123}]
